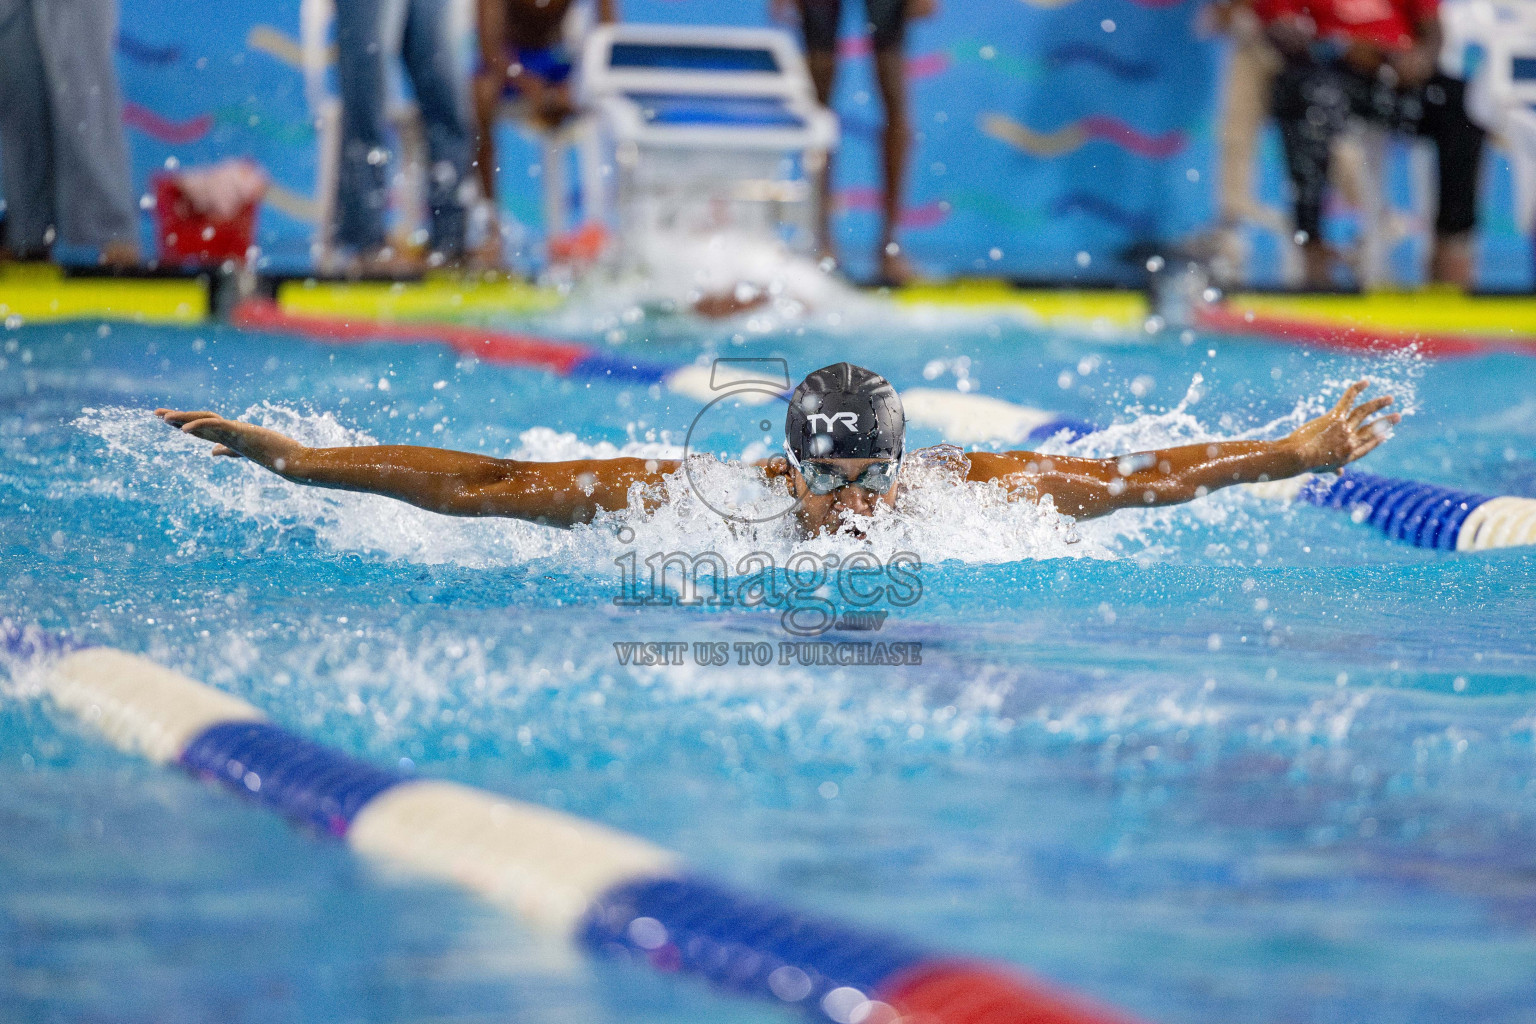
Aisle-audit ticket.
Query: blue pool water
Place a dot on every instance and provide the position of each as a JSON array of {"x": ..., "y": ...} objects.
[{"x": 1237, "y": 761}]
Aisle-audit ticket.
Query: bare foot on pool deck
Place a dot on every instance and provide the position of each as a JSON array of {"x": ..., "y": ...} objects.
[
  {"x": 487, "y": 255},
  {"x": 383, "y": 262},
  {"x": 122, "y": 255},
  {"x": 896, "y": 271},
  {"x": 1320, "y": 263},
  {"x": 1453, "y": 262}
]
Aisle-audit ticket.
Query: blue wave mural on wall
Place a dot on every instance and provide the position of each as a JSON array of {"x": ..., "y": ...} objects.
[{"x": 1043, "y": 129}]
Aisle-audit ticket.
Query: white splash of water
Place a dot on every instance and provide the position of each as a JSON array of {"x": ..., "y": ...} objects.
[
  {"x": 673, "y": 271},
  {"x": 938, "y": 516}
]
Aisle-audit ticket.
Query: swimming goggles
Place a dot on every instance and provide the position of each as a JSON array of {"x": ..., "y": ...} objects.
[{"x": 878, "y": 477}]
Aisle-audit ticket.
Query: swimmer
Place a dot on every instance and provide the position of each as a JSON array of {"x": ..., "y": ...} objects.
[{"x": 845, "y": 441}]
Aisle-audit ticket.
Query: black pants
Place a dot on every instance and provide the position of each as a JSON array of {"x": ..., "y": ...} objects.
[
  {"x": 887, "y": 21},
  {"x": 1314, "y": 100}
]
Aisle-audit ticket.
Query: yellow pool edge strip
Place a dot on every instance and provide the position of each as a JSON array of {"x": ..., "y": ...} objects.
[
  {"x": 446, "y": 298},
  {"x": 39, "y": 293},
  {"x": 457, "y": 299},
  {"x": 1425, "y": 312},
  {"x": 43, "y": 298}
]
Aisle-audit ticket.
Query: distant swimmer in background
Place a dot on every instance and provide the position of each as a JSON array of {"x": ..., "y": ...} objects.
[{"x": 844, "y": 445}]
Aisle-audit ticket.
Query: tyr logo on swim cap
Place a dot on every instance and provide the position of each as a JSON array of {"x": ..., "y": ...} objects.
[{"x": 844, "y": 411}]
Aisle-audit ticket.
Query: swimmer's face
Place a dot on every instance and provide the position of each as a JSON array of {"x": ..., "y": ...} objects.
[{"x": 818, "y": 512}]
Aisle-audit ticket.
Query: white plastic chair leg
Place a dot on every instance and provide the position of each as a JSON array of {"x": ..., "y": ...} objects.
[
  {"x": 410, "y": 187},
  {"x": 327, "y": 179},
  {"x": 556, "y": 188},
  {"x": 1375, "y": 220},
  {"x": 1520, "y": 137},
  {"x": 594, "y": 183}
]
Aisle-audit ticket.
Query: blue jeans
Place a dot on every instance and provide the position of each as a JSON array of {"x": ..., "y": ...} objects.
[
  {"x": 368, "y": 33},
  {"x": 63, "y": 157}
]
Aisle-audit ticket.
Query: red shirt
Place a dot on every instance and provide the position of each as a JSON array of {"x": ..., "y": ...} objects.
[{"x": 1390, "y": 24}]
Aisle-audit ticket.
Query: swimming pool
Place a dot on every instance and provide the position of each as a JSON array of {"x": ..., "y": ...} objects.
[{"x": 1235, "y": 761}]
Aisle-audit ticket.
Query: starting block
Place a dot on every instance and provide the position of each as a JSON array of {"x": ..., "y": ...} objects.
[{"x": 697, "y": 131}]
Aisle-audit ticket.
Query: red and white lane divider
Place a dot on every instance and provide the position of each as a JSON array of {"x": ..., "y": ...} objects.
[{"x": 1356, "y": 337}]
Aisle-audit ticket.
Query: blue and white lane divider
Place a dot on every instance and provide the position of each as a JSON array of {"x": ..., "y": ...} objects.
[
  {"x": 1423, "y": 515},
  {"x": 611, "y": 893}
]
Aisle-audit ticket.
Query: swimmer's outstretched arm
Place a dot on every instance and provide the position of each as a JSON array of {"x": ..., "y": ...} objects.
[
  {"x": 1094, "y": 487},
  {"x": 436, "y": 479}
]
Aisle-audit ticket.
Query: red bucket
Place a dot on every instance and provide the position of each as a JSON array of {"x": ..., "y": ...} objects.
[
  {"x": 580, "y": 248},
  {"x": 189, "y": 237}
]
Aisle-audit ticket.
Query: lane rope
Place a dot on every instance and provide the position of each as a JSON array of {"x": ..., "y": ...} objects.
[
  {"x": 1355, "y": 337},
  {"x": 961, "y": 418},
  {"x": 1423, "y": 515},
  {"x": 613, "y": 894}
]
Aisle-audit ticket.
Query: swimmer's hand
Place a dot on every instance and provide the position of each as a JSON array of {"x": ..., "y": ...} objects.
[
  {"x": 234, "y": 439},
  {"x": 437, "y": 479},
  {"x": 1344, "y": 433}
]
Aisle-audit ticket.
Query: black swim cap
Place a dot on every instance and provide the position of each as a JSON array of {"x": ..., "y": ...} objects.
[{"x": 844, "y": 411}]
